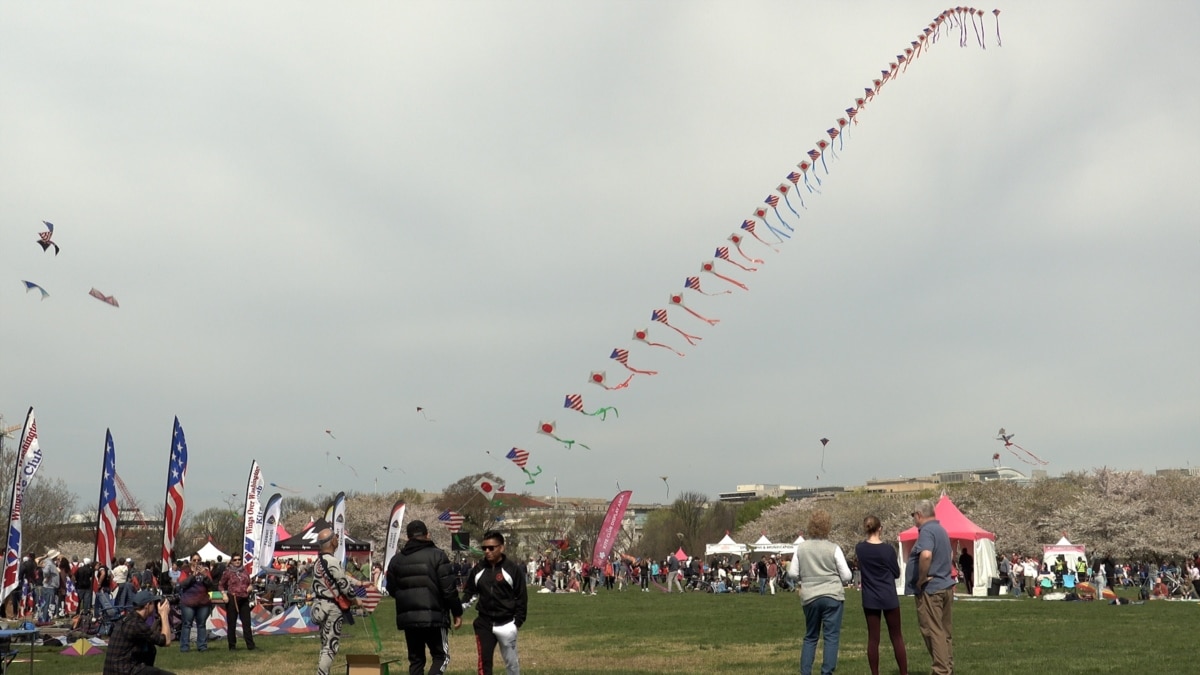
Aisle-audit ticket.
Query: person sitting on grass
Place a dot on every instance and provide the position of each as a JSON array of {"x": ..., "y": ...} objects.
[{"x": 1159, "y": 590}]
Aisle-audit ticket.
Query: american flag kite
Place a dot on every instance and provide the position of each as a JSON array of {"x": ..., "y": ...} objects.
[
  {"x": 106, "y": 518},
  {"x": 601, "y": 378},
  {"x": 368, "y": 597},
  {"x": 748, "y": 225},
  {"x": 452, "y": 519},
  {"x": 694, "y": 282},
  {"x": 772, "y": 201},
  {"x": 44, "y": 237},
  {"x": 173, "y": 509},
  {"x": 677, "y": 300},
  {"x": 621, "y": 356},
  {"x": 722, "y": 252},
  {"x": 575, "y": 402},
  {"x": 660, "y": 315},
  {"x": 521, "y": 458},
  {"x": 643, "y": 335}
]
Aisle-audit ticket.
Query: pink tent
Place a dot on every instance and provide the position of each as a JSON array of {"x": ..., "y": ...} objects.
[
  {"x": 281, "y": 534},
  {"x": 680, "y": 555},
  {"x": 963, "y": 533}
]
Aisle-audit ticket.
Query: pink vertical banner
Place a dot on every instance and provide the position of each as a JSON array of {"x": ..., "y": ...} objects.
[{"x": 611, "y": 528}]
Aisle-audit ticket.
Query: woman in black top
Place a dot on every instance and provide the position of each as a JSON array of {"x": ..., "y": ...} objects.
[{"x": 879, "y": 568}]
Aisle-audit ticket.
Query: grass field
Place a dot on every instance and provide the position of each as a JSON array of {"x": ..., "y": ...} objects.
[{"x": 632, "y": 632}]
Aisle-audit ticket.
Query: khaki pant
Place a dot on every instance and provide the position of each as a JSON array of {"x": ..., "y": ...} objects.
[{"x": 934, "y": 616}]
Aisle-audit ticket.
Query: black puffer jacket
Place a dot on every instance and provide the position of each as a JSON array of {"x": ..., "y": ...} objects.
[{"x": 421, "y": 580}]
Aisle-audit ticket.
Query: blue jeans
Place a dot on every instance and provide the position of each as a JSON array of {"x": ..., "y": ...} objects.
[
  {"x": 822, "y": 619},
  {"x": 198, "y": 616},
  {"x": 47, "y": 601}
]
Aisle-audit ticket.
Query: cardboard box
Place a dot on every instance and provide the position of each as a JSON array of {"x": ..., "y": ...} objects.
[{"x": 364, "y": 664}]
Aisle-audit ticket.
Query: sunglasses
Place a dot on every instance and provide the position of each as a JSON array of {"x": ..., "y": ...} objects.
[{"x": 489, "y": 548}]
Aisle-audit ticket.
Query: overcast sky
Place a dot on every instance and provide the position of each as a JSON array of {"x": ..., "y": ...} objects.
[{"x": 321, "y": 217}]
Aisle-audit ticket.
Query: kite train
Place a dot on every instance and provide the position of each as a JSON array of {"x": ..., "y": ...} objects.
[{"x": 575, "y": 402}]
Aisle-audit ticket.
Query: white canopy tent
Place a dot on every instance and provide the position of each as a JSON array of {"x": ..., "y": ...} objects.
[
  {"x": 764, "y": 545},
  {"x": 727, "y": 546},
  {"x": 209, "y": 553},
  {"x": 1070, "y": 552}
]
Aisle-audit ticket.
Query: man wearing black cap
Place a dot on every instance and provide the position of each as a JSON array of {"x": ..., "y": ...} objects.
[
  {"x": 422, "y": 581},
  {"x": 134, "y": 642}
]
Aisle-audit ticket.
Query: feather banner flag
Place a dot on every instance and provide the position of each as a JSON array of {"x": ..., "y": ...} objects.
[
  {"x": 29, "y": 458},
  {"x": 252, "y": 517},
  {"x": 107, "y": 515},
  {"x": 266, "y": 542},
  {"x": 610, "y": 528},
  {"x": 395, "y": 527},
  {"x": 173, "y": 508},
  {"x": 336, "y": 515}
]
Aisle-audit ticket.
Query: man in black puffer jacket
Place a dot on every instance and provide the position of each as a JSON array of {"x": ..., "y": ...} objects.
[{"x": 422, "y": 581}]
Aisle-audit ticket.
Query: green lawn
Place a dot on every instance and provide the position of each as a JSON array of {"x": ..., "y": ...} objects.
[{"x": 632, "y": 632}]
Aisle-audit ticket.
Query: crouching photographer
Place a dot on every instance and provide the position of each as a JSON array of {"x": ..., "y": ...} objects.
[{"x": 135, "y": 641}]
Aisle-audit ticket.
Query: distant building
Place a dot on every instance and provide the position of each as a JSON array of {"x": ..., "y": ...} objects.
[
  {"x": 1189, "y": 471},
  {"x": 992, "y": 473},
  {"x": 901, "y": 485},
  {"x": 746, "y": 493}
]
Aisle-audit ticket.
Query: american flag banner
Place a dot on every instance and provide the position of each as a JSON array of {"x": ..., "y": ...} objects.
[
  {"x": 29, "y": 458},
  {"x": 173, "y": 509},
  {"x": 71, "y": 598},
  {"x": 453, "y": 520},
  {"x": 106, "y": 517},
  {"x": 621, "y": 356}
]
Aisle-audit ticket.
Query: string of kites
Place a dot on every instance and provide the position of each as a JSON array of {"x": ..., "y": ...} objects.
[{"x": 806, "y": 178}]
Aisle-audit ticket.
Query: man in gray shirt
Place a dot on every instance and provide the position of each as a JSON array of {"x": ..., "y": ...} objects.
[{"x": 928, "y": 578}]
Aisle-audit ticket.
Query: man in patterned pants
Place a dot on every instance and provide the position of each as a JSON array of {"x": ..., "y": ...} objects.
[{"x": 330, "y": 584}]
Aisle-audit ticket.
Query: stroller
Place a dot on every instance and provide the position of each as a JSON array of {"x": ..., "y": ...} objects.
[{"x": 104, "y": 616}]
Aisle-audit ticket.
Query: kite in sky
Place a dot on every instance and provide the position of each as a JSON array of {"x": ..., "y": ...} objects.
[
  {"x": 748, "y": 225},
  {"x": 761, "y": 213},
  {"x": 660, "y": 315},
  {"x": 284, "y": 488},
  {"x": 549, "y": 429},
  {"x": 575, "y": 402},
  {"x": 521, "y": 458},
  {"x": 330, "y": 432},
  {"x": 422, "y": 411},
  {"x": 339, "y": 459},
  {"x": 664, "y": 480},
  {"x": 489, "y": 488},
  {"x": 737, "y": 243},
  {"x": 694, "y": 284},
  {"x": 453, "y": 520},
  {"x": 772, "y": 201},
  {"x": 642, "y": 335},
  {"x": 722, "y": 252},
  {"x": 601, "y": 378},
  {"x": 622, "y": 356},
  {"x": 711, "y": 268},
  {"x": 677, "y": 300},
  {"x": 1007, "y": 438},
  {"x": 103, "y": 298},
  {"x": 824, "y": 442},
  {"x": 44, "y": 238},
  {"x": 392, "y": 470},
  {"x": 29, "y": 286},
  {"x": 784, "y": 189}
]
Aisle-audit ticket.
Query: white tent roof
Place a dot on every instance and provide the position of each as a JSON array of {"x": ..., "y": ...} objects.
[
  {"x": 209, "y": 553},
  {"x": 764, "y": 545},
  {"x": 799, "y": 539},
  {"x": 762, "y": 541},
  {"x": 727, "y": 546},
  {"x": 1070, "y": 552}
]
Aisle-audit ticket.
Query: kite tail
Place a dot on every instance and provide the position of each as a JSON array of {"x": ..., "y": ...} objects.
[
  {"x": 639, "y": 372},
  {"x": 1037, "y": 459},
  {"x": 753, "y": 260},
  {"x": 764, "y": 243},
  {"x": 566, "y": 441},
  {"x": 735, "y": 282},
  {"x": 842, "y": 136},
  {"x": 689, "y": 338},
  {"x": 789, "y": 227},
  {"x": 711, "y": 322},
  {"x": 734, "y": 262},
  {"x": 789, "y": 203},
  {"x": 669, "y": 347},
  {"x": 715, "y": 294},
  {"x": 602, "y": 412},
  {"x": 998, "y": 42},
  {"x": 823, "y": 166},
  {"x": 619, "y": 386},
  {"x": 777, "y": 233}
]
